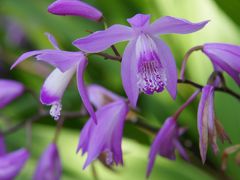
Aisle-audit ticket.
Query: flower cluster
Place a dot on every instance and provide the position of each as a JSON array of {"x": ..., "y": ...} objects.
[{"x": 147, "y": 66}]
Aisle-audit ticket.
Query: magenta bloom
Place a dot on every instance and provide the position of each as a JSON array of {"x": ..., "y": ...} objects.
[
  {"x": 75, "y": 8},
  {"x": 66, "y": 63},
  {"x": 166, "y": 142},
  {"x": 226, "y": 57},
  {"x": 106, "y": 136},
  {"x": 209, "y": 128},
  {"x": 9, "y": 90},
  {"x": 49, "y": 165},
  {"x": 148, "y": 64}
]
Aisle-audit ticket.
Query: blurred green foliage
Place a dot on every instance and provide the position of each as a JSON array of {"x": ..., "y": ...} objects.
[{"x": 34, "y": 20}]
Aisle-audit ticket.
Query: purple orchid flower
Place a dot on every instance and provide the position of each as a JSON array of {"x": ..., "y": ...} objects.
[
  {"x": 208, "y": 126},
  {"x": 148, "y": 64},
  {"x": 49, "y": 165},
  {"x": 166, "y": 142},
  {"x": 225, "y": 57},
  {"x": 9, "y": 90},
  {"x": 75, "y": 8},
  {"x": 66, "y": 63},
  {"x": 106, "y": 136}
]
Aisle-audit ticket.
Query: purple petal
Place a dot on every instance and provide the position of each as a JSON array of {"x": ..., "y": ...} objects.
[
  {"x": 49, "y": 165},
  {"x": 75, "y": 8},
  {"x": 169, "y": 65},
  {"x": 52, "y": 40},
  {"x": 82, "y": 89},
  {"x": 168, "y": 25},
  {"x": 100, "y": 96},
  {"x": 139, "y": 20},
  {"x": 129, "y": 72},
  {"x": 205, "y": 117},
  {"x": 2, "y": 146},
  {"x": 9, "y": 90},
  {"x": 11, "y": 164},
  {"x": 181, "y": 150},
  {"x": 55, "y": 85},
  {"x": 101, "y": 40}
]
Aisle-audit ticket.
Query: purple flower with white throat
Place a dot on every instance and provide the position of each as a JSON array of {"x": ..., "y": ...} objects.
[
  {"x": 225, "y": 57},
  {"x": 9, "y": 90},
  {"x": 66, "y": 63},
  {"x": 75, "y": 8},
  {"x": 49, "y": 166},
  {"x": 166, "y": 142},
  {"x": 208, "y": 126},
  {"x": 11, "y": 163},
  {"x": 148, "y": 64},
  {"x": 106, "y": 136}
]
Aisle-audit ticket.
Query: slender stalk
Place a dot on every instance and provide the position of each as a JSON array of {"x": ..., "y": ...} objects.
[{"x": 58, "y": 129}]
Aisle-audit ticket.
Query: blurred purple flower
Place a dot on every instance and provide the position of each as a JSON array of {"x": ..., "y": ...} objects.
[
  {"x": 208, "y": 126},
  {"x": 166, "y": 142},
  {"x": 75, "y": 8},
  {"x": 49, "y": 166},
  {"x": 66, "y": 63},
  {"x": 106, "y": 136},
  {"x": 2, "y": 146},
  {"x": 148, "y": 64},
  {"x": 9, "y": 90},
  {"x": 225, "y": 57}
]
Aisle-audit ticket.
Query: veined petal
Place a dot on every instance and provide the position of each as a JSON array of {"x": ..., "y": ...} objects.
[
  {"x": 55, "y": 85},
  {"x": 75, "y": 8},
  {"x": 100, "y": 96},
  {"x": 52, "y": 40},
  {"x": 2, "y": 146},
  {"x": 9, "y": 90},
  {"x": 139, "y": 20},
  {"x": 168, "y": 25},
  {"x": 101, "y": 40},
  {"x": 169, "y": 65},
  {"x": 129, "y": 72},
  {"x": 49, "y": 165},
  {"x": 11, "y": 164},
  {"x": 82, "y": 89}
]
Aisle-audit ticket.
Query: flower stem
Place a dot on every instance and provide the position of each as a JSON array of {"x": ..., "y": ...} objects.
[{"x": 58, "y": 129}]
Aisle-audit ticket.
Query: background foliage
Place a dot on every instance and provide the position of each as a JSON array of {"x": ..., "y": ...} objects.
[{"x": 33, "y": 19}]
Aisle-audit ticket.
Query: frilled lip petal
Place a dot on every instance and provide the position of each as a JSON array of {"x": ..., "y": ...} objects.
[
  {"x": 49, "y": 164},
  {"x": 63, "y": 60},
  {"x": 139, "y": 20},
  {"x": 101, "y": 40},
  {"x": 82, "y": 89},
  {"x": 205, "y": 119},
  {"x": 107, "y": 134},
  {"x": 129, "y": 67},
  {"x": 55, "y": 85},
  {"x": 168, "y": 25},
  {"x": 169, "y": 65},
  {"x": 75, "y": 8},
  {"x": 9, "y": 90},
  {"x": 11, "y": 164},
  {"x": 100, "y": 96}
]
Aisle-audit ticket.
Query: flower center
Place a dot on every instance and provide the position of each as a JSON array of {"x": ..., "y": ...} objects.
[{"x": 55, "y": 110}]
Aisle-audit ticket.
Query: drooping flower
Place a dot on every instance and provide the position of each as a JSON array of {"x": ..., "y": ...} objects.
[
  {"x": 226, "y": 57},
  {"x": 106, "y": 136},
  {"x": 9, "y": 90},
  {"x": 75, "y": 8},
  {"x": 208, "y": 126},
  {"x": 66, "y": 63},
  {"x": 49, "y": 166},
  {"x": 148, "y": 65},
  {"x": 166, "y": 142}
]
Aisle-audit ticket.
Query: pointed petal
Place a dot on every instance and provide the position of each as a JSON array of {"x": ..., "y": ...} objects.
[
  {"x": 11, "y": 164},
  {"x": 168, "y": 25},
  {"x": 82, "y": 89},
  {"x": 169, "y": 65},
  {"x": 139, "y": 20},
  {"x": 129, "y": 72},
  {"x": 52, "y": 40},
  {"x": 49, "y": 165},
  {"x": 55, "y": 85},
  {"x": 101, "y": 40},
  {"x": 9, "y": 90},
  {"x": 75, "y": 8},
  {"x": 2, "y": 146},
  {"x": 181, "y": 150}
]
